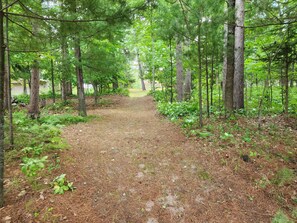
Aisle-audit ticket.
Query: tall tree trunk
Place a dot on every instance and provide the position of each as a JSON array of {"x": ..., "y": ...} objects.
[
  {"x": 8, "y": 83},
  {"x": 206, "y": 78},
  {"x": 200, "y": 77},
  {"x": 2, "y": 74},
  {"x": 153, "y": 52},
  {"x": 212, "y": 76},
  {"x": 140, "y": 72},
  {"x": 228, "y": 100},
  {"x": 53, "y": 81},
  {"x": 286, "y": 80},
  {"x": 25, "y": 86},
  {"x": 171, "y": 70},
  {"x": 82, "y": 110},
  {"x": 188, "y": 85},
  {"x": 238, "y": 95},
  {"x": 179, "y": 71},
  {"x": 6, "y": 87},
  {"x": 68, "y": 88},
  {"x": 95, "y": 87},
  {"x": 33, "y": 110},
  {"x": 225, "y": 59},
  {"x": 115, "y": 83},
  {"x": 65, "y": 74}
]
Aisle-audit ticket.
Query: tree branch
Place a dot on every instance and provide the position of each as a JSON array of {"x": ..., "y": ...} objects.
[{"x": 9, "y": 5}]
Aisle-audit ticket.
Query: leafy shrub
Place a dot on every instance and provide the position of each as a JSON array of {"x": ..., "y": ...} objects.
[
  {"x": 178, "y": 109},
  {"x": 157, "y": 95},
  {"x": 64, "y": 119},
  {"x": 31, "y": 166},
  {"x": 61, "y": 184},
  {"x": 22, "y": 98}
]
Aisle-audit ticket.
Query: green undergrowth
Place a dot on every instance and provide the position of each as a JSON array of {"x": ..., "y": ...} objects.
[
  {"x": 242, "y": 146},
  {"x": 38, "y": 142}
]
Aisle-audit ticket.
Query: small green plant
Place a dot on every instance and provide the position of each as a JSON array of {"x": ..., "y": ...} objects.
[
  {"x": 281, "y": 217},
  {"x": 253, "y": 154},
  {"x": 226, "y": 136},
  {"x": 60, "y": 184},
  {"x": 31, "y": 166},
  {"x": 263, "y": 182},
  {"x": 283, "y": 176},
  {"x": 33, "y": 151}
]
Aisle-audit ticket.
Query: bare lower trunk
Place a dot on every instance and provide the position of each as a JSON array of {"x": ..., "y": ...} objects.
[
  {"x": 171, "y": 71},
  {"x": 6, "y": 77},
  {"x": 63, "y": 90},
  {"x": 115, "y": 83},
  {"x": 25, "y": 86},
  {"x": 82, "y": 111},
  {"x": 2, "y": 74},
  {"x": 33, "y": 110},
  {"x": 140, "y": 69},
  {"x": 8, "y": 83},
  {"x": 212, "y": 77},
  {"x": 95, "y": 87},
  {"x": 53, "y": 81},
  {"x": 206, "y": 79},
  {"x": 228, "y": 99},
  {"x": 179, "y": 72},
  {"x": 68, "y": 88},
  {"x": 286, "y": 80},
  {"x": 238, "y": 95},
  {"x": 200, "y": 77},
  {"x": 188, "y": 85}
]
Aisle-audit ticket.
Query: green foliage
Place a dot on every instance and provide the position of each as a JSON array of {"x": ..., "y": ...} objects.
[
  {"x": 60, "y": 184},
  {"x": 226, "y": 136},
  {"x": 44, "y": 135},
  {"x": 30, "y": 166},
  {"x": 177, "y": 109},
  {"x": 283, "y": 176},
  {"x": 23, "y": 98},
  {"x": 64, "y": 119},
  {"x": 281, "y": 217}
]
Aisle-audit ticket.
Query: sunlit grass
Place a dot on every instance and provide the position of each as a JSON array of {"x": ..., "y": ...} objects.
[{"x": 137, "y": 93}]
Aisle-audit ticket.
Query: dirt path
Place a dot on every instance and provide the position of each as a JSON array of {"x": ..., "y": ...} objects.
[{"x": 134, "y": 166}]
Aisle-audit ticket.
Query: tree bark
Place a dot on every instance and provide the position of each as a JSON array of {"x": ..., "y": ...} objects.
[
  {"x": 171, "y": 70},
  {"x": 82, "y": 111},
  {"x": 206, "y": 78},
  {"x": 95, "y": 87},
  {"x": 53, "y": 81},
  {"x": 188, "y": 85},
  {"x": 238, "y": 95},
  {"x": 200, "y": 77},
  {"x": 8, "y": 83},
  {"x": 33, "y": 110},
  {"x": 140, "y": 72},
  {"x": 2, "y": 74},
  {"x": 179, "y": 72},
  {"x": 25, "y": 86},
  {"x": 65, "y": 53},
  {"x": 286, "y": 80},
  {"x": 228, "y": 95}
]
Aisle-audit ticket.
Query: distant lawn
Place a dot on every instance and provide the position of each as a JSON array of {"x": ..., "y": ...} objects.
[{"x": 137, "y": 93}]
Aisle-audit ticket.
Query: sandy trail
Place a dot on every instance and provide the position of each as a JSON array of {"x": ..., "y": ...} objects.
[{"x": 132, "y": 165}]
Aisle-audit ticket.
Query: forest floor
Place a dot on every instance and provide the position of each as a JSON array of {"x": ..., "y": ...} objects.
[{"x": 133, "y": 165}]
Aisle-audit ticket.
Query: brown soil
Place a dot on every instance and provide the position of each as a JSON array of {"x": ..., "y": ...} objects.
[{"x": 132, "y": 165}]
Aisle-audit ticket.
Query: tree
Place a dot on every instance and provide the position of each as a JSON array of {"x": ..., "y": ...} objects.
[
  {"x": 2, "y": 74},
  {"x": 238, "y": 94},
  {"x": 179, "y": 71},
  {"x": 229, "y": 84}
]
